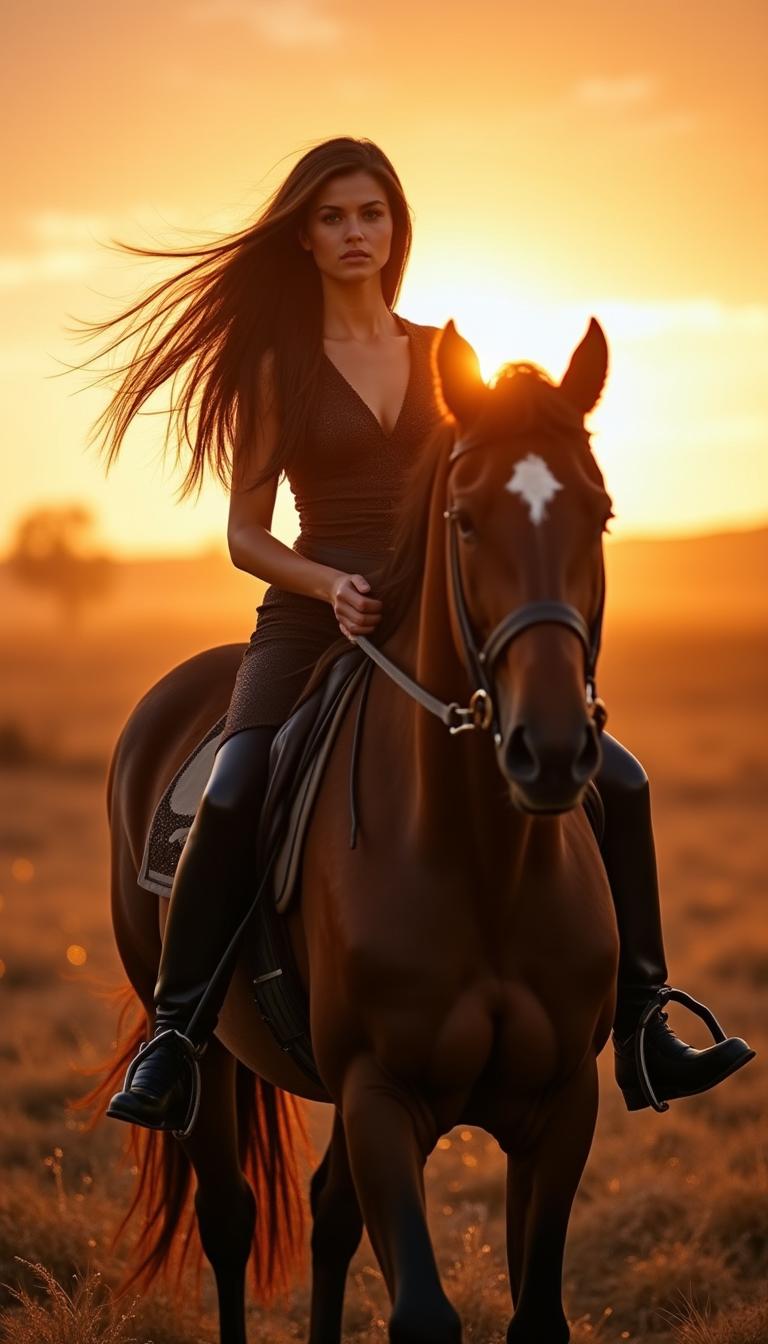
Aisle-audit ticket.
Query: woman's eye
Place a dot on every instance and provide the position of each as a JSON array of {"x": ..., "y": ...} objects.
[{"x": 370, "y": 214}]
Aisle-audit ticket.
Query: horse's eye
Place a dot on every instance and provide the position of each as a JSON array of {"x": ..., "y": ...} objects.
[{"x": 464, "y": 523}]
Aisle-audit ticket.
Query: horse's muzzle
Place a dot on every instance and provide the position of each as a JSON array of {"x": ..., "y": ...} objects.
[{"x": 550, "y": 774}]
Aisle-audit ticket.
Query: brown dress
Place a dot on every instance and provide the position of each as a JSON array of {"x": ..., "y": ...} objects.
[{"x": 346, "y": 488}]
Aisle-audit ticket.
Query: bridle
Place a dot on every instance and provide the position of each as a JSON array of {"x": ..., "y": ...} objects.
[
  {"x": 480, "y": 663},
  {"x": 481, "y": 711}
]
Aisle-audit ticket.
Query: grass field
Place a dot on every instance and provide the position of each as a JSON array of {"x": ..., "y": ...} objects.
[{"x": 669, "y": 1236}]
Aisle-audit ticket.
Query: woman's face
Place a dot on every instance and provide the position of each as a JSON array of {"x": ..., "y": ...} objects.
[{"x": 349, "y": 214}]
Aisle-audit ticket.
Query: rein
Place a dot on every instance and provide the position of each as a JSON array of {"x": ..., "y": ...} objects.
[{"x": 481, "y": 712}]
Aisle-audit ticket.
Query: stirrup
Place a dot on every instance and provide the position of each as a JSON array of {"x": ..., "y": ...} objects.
[
  {"x": 654, "y": 1006},
  {"x": 193, "y": 1053}
]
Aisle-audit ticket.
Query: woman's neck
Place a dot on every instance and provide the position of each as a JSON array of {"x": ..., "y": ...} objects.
[{"x": 357, "y": 313}]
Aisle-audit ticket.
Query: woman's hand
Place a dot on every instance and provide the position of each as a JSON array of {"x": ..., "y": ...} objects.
[{"x": 356, "y": 614}]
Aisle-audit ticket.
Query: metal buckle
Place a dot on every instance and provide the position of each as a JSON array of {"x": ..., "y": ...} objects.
[
  {"x": 464, "y": 716},
  {"x": 598, "y": 711},
  {"x": 477, "y": 714},
  {"x": 481, "y": 706}
]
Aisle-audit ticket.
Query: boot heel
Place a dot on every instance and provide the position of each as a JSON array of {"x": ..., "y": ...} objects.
[{"x": 634, "y": 1098}]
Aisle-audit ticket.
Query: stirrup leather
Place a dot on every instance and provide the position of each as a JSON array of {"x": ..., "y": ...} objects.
[
  {"x": 193, "y": 1053},
  {"x": 654, "y": 1007}
]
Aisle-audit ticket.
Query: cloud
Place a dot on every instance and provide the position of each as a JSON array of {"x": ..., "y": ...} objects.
[
  {"x": 47, "y": 266},
  {"x": 633, "y": 94},
  {"x": 614, "y": 92},
  {"x": 284, "y": 23},
  {"x": 65, "y": 245},
  {"x": 67, "y": 226},
  {"x": 642, "y": 320}
]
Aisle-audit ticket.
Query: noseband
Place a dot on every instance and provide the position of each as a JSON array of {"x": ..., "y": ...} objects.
[{"x": 481, "y": 712}]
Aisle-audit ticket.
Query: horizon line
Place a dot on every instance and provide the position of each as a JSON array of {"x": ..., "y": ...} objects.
[{"x": 213, "y": 549}]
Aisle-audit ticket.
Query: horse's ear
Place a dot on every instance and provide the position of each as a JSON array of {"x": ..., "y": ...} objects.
[
  {"x": 584, "y": 379},
  {"x": 458, "y": 372}
]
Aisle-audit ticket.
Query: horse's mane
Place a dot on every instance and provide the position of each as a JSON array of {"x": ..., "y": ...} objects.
[
  {"x": 523, "y": 395},
  {"x": 524, "y": 398}
]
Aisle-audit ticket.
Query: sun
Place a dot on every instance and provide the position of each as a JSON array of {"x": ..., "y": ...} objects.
[{"x": 501, "y": 320}]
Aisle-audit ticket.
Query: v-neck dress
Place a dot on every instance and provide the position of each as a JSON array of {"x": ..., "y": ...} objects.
[{"x": 346, "y": 488}]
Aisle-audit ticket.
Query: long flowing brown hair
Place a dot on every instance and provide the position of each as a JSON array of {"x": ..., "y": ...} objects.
[{"x": 211, "y": 323}]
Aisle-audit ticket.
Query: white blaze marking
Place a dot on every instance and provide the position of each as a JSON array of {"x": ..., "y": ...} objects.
[{"x": 534, "y": 482}]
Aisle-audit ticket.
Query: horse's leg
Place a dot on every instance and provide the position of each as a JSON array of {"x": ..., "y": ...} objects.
[
  {"x": 389, "y": 1135},
  {"x": 224, "y": 1202},
  {"x": 336, "y": 1231},
  {"x": 519, "y": 1186},
  {"x": 557, "y": 1162}
]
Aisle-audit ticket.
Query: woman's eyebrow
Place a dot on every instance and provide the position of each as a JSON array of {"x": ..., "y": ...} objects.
[{"x": 338, "y": 207}]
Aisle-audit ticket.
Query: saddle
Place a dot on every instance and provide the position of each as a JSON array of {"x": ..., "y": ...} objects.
[{"x": 298, "y": 754}]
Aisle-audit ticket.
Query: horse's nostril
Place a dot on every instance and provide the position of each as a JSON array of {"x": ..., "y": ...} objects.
[
  {"x": 522, "y": 764},
  {"x": 588, "y": 759}
]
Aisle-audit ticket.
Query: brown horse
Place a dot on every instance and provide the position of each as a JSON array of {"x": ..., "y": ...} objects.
[{"x": 460, "y": 959}]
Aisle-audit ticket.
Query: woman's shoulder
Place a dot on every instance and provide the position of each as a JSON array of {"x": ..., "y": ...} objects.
[{"x": 426, "y": 328}]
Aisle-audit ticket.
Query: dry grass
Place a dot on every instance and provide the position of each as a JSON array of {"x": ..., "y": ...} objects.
[
  {"x": 669, "y": 1236},
  {"x": 86, "y": 1315},
  {"x": 741, "y": 1325}
]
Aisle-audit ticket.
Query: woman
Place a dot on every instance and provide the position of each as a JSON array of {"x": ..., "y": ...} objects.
[{"x": 341, "y": 399}]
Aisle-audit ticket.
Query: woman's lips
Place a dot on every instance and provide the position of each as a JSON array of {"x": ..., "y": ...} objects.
[{"x": 355, "y": 256}]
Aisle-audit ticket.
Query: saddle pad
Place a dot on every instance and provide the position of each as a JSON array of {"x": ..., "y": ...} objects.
[{"x": 174, "y": 814}]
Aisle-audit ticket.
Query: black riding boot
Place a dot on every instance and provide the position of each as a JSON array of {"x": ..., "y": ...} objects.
[
  {"x": 214, "y": 884},
  {"x": 652, "y": 1064}
]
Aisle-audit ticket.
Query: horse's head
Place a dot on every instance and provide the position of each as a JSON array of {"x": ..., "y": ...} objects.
[{"x": 526, "y": 509}]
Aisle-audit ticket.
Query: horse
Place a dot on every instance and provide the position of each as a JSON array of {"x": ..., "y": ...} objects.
[{"x": 460, "y": 958}]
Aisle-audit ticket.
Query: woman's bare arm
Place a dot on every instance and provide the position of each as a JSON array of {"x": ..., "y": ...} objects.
[{"x": 253, "y": 548}]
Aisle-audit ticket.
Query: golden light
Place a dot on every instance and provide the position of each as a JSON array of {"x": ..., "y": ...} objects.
[
  {"x": 496, "y": 310},
  {"x": 76, "y": 955}
]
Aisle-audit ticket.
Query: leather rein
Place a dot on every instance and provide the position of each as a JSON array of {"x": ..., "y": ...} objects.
[{"x": 481, "y": 711}]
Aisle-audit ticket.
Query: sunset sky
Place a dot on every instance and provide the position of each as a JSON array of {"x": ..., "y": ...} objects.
[{"x": 561, "y": 160}]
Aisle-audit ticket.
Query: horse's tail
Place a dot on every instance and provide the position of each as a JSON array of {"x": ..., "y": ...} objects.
[{"x": 269, "y": 1123}]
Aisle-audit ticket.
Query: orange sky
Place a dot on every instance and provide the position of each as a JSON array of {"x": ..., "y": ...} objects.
[{"x": 561, "y": 160}]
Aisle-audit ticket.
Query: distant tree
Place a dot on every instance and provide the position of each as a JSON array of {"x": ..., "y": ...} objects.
[{"x": 50, "y": 552}]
